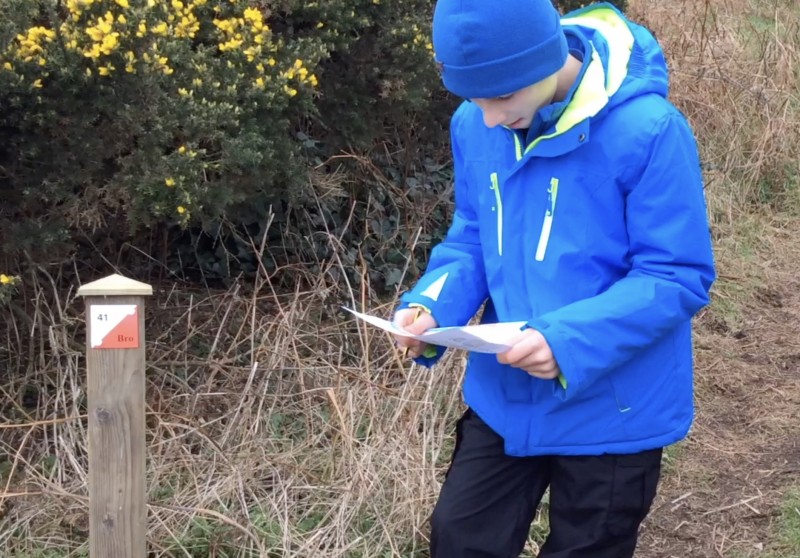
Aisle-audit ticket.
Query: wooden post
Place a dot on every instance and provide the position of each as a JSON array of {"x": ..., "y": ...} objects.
[{"x": 115, "y": 360}]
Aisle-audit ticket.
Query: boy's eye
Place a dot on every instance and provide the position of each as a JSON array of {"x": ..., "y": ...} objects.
[{"x": 505, "y": 97}]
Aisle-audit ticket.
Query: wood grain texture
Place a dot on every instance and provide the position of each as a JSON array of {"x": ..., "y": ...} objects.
[{"x": 116, "y": 390}]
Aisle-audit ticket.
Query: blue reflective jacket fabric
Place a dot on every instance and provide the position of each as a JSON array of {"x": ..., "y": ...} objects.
[{"x": 596, "y": 235}]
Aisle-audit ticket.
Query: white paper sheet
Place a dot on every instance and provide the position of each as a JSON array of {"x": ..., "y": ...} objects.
[{"x": 485, "y": 338}]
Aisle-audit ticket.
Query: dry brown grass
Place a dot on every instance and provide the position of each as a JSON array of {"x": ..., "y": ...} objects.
[
  {"x": 278, "y": 427},
  {"x": 734, "y": 72},
  {"x": 274, "y": 430}
]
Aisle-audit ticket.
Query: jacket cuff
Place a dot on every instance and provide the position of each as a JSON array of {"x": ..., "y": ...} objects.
[{"x": 431, "y": 356}]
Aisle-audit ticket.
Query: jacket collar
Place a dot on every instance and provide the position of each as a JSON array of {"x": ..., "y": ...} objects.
[{"x": 597, "y": 83}]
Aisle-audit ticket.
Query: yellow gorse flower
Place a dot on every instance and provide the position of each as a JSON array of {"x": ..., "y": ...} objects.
[
  {"x": 105, "y": 38},
  {"x": 256, "y": 20},
  {"x": 103, "y": 27},
  {"x": 252, "y": 52},
  {"x": 130, "y": 60},
  {"x": 297, "y": 72},
  {"x": 188, "y": 26},
  {"x": 31, "y": 44},
  {"x": 233, "y": 44},
  {"x": 74, "y": 8},
  {"x": 227, "y": 26},
  {"x": 161, "y": 28}
]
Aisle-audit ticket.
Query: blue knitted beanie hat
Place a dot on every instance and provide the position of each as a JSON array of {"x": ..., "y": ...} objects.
[{"x": 489, "y": 48}]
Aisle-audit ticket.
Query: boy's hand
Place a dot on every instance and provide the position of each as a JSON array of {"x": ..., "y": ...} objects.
[
  {"x": 532, "y": 354},
  {"x": 408, "y": 320}
]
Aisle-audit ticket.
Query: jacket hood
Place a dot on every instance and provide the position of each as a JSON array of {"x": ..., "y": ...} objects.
[{"x": 626, "y": 62}]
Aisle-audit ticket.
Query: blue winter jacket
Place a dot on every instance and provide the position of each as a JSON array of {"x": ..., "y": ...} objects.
[{"x": 596, "y": 235}]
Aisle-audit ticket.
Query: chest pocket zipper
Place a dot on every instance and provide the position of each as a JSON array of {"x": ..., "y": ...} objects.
[
  {"x": 547, "y": 224},
  {"x": 499, "y": 209}
]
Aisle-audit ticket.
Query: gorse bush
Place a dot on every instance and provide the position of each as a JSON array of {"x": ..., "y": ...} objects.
[
  {"x": 119, "y": 116},
  {"x": 158, "y": 110}
]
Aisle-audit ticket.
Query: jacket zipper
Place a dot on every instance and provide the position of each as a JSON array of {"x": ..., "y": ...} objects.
[
  {"x": 547, "y": 224},
  {"x": 496, "y": 187}
]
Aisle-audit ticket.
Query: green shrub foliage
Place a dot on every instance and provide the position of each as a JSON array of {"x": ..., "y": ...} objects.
[
  {"x": 122, "y": 115},
  {"x": 147, "y": 112}
]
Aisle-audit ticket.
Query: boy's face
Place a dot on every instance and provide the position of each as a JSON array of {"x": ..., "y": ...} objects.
[{"x": 516, "y": 110}]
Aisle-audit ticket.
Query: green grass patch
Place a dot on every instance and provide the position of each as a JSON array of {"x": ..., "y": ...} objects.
[
  {"x": 788, "y": 528},
  {"x": 785, "y": 533},
  {"x": 670, "y": 458}
]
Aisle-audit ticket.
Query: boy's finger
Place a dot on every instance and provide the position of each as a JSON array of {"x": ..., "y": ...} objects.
[
  {"x": 506, "y": 357},
  {"x": 403, "y": 317},
  {"x": 420, "y": 325}
]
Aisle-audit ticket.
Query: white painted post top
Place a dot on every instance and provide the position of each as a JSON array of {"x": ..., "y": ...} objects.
[{"x": 115, "y": 285}]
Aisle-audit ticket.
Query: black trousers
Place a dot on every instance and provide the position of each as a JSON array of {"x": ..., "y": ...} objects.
[{"x": 489, "y": 500}]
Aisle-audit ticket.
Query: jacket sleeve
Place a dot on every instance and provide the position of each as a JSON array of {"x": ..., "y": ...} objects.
[
  {"x": 453, "y": 287},
  {"x": 672, "y": 267}
]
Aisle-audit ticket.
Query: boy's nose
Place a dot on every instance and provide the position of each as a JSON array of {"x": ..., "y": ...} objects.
[{"x": 493, "y": 117}]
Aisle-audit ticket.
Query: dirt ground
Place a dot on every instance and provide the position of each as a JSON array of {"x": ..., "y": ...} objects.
[{"x": 724, "y": 486}]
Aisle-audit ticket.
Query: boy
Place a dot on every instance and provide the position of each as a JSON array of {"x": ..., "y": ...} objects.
[{"x": 579, "y": 210}]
